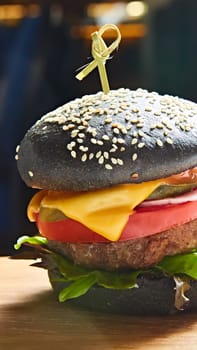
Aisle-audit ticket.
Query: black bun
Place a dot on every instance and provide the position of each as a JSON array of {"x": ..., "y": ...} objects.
[
  {"x": 152, "y": 297},
  {"x": 102, "y": 140}
]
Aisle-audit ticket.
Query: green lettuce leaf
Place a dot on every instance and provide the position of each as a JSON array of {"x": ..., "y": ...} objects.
[
  {"x": 116, "y": 280},
  {"x": 77, "y": 288},
  {"x": 180, "y": 264},
  {"x": 35, "y": 240}
]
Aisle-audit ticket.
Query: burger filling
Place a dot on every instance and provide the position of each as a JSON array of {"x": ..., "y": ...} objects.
[
  {"x": 110, "y": 214},
  {"x": 111, "y": 236}
]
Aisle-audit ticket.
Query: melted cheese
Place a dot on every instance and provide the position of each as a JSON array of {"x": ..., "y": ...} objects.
[{"x": 104, "y": 211}]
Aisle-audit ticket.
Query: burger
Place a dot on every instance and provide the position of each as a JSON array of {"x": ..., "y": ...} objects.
[{"x": 116, "y": 209}]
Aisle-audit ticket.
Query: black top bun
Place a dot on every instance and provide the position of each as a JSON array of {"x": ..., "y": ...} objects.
[{"x": 102, "y": 140}]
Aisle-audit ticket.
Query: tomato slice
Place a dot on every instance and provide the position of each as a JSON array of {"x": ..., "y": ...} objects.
[{"x": 144, "y": 222}]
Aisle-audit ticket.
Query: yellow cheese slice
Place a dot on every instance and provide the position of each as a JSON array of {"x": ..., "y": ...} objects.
[{"x": 105, "y": 211}]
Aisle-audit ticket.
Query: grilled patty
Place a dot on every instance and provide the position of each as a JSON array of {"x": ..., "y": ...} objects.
[{"x": 133, "y": 254}]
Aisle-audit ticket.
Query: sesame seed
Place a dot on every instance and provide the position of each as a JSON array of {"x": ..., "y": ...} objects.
[
  {"x": 94, "y": 141},
  {"x": 114, "y": 161},
  {"x": 124, "y": 106},
  {"x": 30, "y": 173},
  {"x": 159, "y": 143},
  {"x": 106, "y": 155},
  {"x": 169, "y": 126},
  {"x": 134, "y": 175},
  {"x": 80, "y": 140},
  {"x": 120, "y": 161},
  {"x": 164, "y": 122},
  {"x": 108, "y": 167},
  {"x": 141, "y": 145},
  {"x": 101, "y": 160},
  {"x": 108, "y": 120},
  {"x": 69, "y": 147},
  {"x": 73, "y": 154},
  {"x": 159, "y": 126},
  {"x": 116, "y": 131},
  {"x": 153, "y": 126},
  {"x": 17, "y": 148},
  {"x": 123, "y": 130},
  {"x": 81, "y": 135},
  {"x": 105, "y": 137},
  {"x": 91, "y": 156},
  {"x": 134, "y": 121},
  {"x": 147, "y": 109},
  {"x": 16, "y": 157},
  {"x": 74, "y": 133},
  {"x": 98, "y": 154},
  {"x": 97, "y": 111},
  {"x": 81, "y": 127},
  {"x": 168, "y": 140},
  {"x": 188, "y": 128},
  {"x": 115, "y": 125},
  {"x": 134, "y": 157},
  {"x": 141, "y": 133},
  {"x": 134, "y": 141},
  {"x": 121, "y": 141},
  {"x": 70, "y": 126},
  {"x": 166, "y": 132},
  {"x": 140, "y": 125},
  {"x": 122, "y": 149},
  {"x": 84, "y": 157},
  {"x": 99, "y": 142},
  {"x": 127, "y": 118}
]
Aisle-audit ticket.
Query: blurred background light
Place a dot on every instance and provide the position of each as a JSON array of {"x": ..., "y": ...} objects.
[
  {"x": 107, "y": 12},
  {"x": 128, "y": 31},
  {"x": 116, "y": 12},
  {"x": 12, "y": 13},
  {"x": 136, "y": 9}
]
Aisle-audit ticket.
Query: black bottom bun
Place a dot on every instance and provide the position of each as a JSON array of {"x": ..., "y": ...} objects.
[{"x": 154, "y": 296}]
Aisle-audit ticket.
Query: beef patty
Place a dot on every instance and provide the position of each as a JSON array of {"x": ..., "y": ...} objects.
[{"x": 133, "y": 254}]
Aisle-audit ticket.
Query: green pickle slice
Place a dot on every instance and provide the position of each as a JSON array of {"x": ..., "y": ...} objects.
[
  {"x": 51, "y": 215},
  {"x": 165, "y": 191}
]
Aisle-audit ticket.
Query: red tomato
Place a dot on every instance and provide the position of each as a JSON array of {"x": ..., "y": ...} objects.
[{"x": 144, "y": 222}]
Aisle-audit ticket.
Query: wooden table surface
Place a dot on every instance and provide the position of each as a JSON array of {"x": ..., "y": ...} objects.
[{"x": 31, "y": 318}]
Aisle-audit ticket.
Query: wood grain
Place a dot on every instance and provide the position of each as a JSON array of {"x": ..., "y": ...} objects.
[{"x": 31, "y": 318}]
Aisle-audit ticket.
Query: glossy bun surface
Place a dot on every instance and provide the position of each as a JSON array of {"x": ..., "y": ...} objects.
[{"x": 102, "y": 140}]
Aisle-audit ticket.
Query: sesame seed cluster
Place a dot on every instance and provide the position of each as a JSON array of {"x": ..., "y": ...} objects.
[{"x": 102, "y": 127}]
